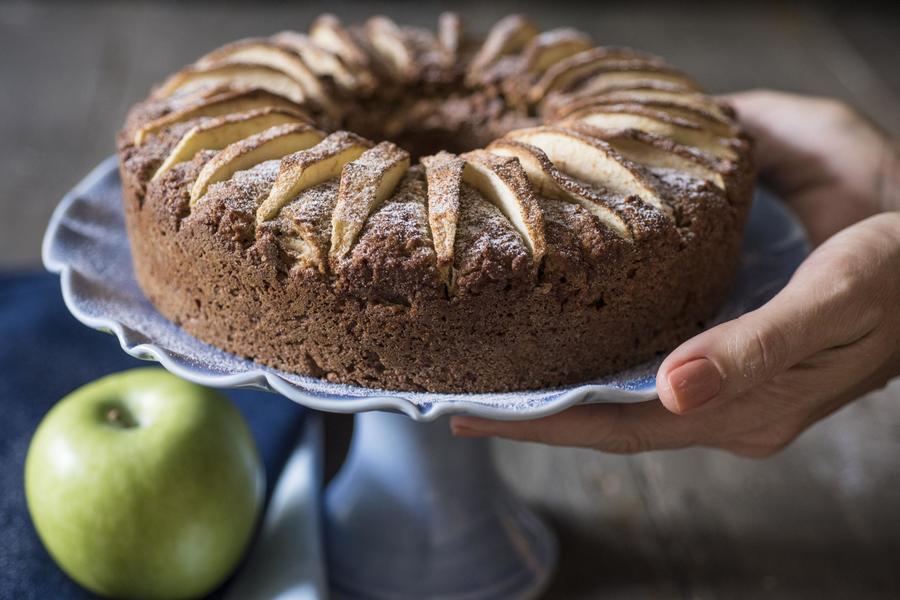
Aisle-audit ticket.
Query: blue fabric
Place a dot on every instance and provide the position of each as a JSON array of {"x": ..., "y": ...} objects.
[{"x": 45, "y": 354}]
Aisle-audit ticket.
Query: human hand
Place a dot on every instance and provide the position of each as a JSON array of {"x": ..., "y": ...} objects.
[
  {"x": 831, "y": 166},
  {"x": 753, "y": 384}
]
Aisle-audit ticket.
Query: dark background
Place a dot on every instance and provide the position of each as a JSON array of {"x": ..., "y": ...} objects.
[{"x": 822, "y": 519}]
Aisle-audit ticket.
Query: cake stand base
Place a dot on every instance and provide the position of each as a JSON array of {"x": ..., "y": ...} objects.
[{"x": 417, "y": 513}]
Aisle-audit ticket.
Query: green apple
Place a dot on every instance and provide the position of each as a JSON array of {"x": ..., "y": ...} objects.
[{"x": 143, "y": 485}]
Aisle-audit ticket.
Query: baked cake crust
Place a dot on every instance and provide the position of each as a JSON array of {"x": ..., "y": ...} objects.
[{"x": 545, "y": 213}]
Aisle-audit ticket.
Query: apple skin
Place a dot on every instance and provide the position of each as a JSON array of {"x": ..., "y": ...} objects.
[{"x": 160, "y": 503}]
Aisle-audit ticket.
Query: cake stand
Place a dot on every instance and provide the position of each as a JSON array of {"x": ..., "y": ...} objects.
[{"x": 414, "y": 512}]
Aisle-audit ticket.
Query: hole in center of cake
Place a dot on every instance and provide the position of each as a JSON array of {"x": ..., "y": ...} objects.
[{"x": 426, "y": 125}]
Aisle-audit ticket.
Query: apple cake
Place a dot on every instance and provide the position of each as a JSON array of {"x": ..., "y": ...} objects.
[{"x": 401, "y": 208}]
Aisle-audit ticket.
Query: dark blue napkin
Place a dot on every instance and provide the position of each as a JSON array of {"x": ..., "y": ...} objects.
[{"x": 45, "y": 354}]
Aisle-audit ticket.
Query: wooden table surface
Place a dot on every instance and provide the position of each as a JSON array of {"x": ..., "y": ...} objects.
[{"x": 820, "y": 520}]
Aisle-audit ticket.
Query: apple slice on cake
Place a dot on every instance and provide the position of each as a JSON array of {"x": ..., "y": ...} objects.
[
  {"x": 265, "y": 53},
  {"x": 328, "y": 32},
  {"x": 551, "y": 182},
  {"x": 271, "y": 144},
  {"x": 218, "y": 105},
  {"x": 633, "y": 76},
  {"x": 444, "y": 174},
  {"x": 322, "y": 62},
  {"x": 655, "y": 151},
  {"x": 592, "y": 161},
  {"x": 300, "y": 245},
  {"x": 510, "y": 34},
  {"x": 541, "y": 53},
  {"x": 449, "y": 34},
  {"x": 365, "y": 184},
  {"x": 235, "y": 75},
  {"x": 309, "y": 167},
  {"x": 666, "y": 97},
  {"x": 682, "y": 131},
  {"x": 689, "y": 116},
  {"x": 563, "y": 73},
  {"x": 221, "y": 131},
  {"x": 550, "y": 47},
  {"x": 392, "y": 45},
  {"x": 503, "y": 182}
]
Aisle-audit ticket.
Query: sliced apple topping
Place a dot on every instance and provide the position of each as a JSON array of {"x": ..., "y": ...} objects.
[
  {"x": 218, "y": 105},
  {"x": 301, "y": 229},
  {"x": 301, "y": 245},
  {"x": 699, "y": 104},
  {"x": 449, "y": 32},
  {"x": 365, "y": 184},
  {"x": 444, "y": 173},
  {"x": 221, "y": 131},
  {"x": 510, "y": 34},
  {"x": 269, "y": 145},
  {"x": 592, "y": 161},
  {"x": 679, "y": 130},
  {"x": 657, "y": 152},
  {"x": 552, "y": 46},
  {"x": 689, "y": 116},
  {"x": 310, "y": 167},
  {"x": 322, "y": 62},
  {"x": 551, "y": 182},
  {"x": 392, "y": 45},
  {"x": 503, "y": 182},
  {"x": 635, "y": 77},
  {"x": 265, "y": 53},
  {"x": 328, "y": 32},
  {"x": 684, "y": 99},
  {"x": 575, "y": 67},
  {"x": 234, "y": 75}
]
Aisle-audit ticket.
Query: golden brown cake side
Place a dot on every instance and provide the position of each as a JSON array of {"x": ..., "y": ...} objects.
[{"x": 602, "y": 228}]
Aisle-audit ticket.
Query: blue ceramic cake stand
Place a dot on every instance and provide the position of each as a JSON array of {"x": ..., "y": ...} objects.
[{"x": 414, "y": 512}]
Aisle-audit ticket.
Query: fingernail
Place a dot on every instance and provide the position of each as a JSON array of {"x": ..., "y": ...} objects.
[{"x": 694, "y": 383}]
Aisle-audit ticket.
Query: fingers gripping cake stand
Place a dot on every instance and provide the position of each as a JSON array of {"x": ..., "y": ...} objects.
[{"x": 414, "y": 512}]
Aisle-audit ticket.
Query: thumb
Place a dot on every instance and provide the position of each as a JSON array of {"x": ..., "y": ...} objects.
[{"x": 731, "y": 358}]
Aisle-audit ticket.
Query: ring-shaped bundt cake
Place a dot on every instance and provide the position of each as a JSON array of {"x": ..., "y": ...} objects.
[{"x": 546, "y": 211}]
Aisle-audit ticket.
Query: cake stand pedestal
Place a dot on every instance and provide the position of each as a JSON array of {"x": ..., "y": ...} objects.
[
  {"x": 414, "y": 512},
  {"x": 417, "y": 513}
]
